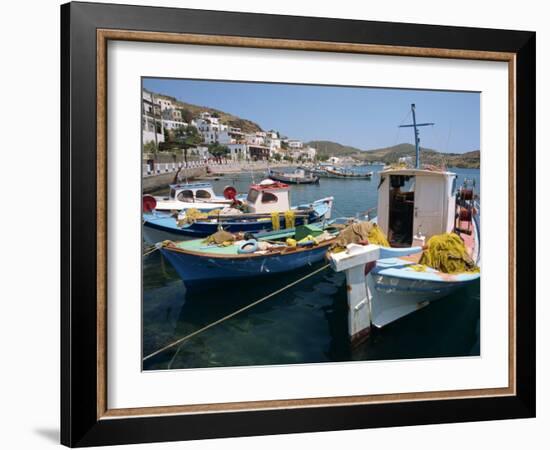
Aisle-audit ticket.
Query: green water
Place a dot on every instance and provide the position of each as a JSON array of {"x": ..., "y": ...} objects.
[{"x": 305, "y": 324}]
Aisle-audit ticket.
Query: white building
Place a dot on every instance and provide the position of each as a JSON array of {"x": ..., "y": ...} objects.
[
  {"x": 212, "y": 130},
  {"x": 334, "y": 160},
  {"x": 151, "y": 118},
  {"x": 257, "y": 138},
  {"x": 238, "y": 152},
  {"x": 294, "y": 143}
]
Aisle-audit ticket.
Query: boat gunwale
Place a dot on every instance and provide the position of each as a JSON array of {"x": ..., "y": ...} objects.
[{"x": 250, "y": 255}]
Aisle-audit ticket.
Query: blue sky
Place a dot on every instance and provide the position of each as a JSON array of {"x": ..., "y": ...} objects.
[{"x": 365, "y": 118}]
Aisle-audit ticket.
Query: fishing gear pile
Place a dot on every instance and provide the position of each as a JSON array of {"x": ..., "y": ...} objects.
[{"x": 447, "y": 253}]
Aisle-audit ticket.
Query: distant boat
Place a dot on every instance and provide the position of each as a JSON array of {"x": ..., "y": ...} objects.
[
  {"x": 200, "y": 264},
  {"x": 194, "y": 195},
  {"x": 264, "y": 207},
  {"x": 297, "y": 177}
]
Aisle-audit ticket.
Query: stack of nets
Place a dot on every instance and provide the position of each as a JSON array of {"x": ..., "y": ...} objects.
[
  {"x": 360, "y": 232},
  {"x": 447, "y": 253},
  {"x": 220, "y": 237},
  {"x": 193, "y": 214}
]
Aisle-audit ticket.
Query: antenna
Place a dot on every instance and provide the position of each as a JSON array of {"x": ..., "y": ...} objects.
[{"x": 416, "y": 133}]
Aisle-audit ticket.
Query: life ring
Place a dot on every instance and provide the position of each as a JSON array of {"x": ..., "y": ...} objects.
[{"x": 249, "y": 246}]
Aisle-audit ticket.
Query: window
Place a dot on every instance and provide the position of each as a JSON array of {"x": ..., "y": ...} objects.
[
  {"x": 185, "y": 196},
  {"x": 268, "y": 197},
  {"x": 252, "y": 196},
  {"x": 201, "y": 193}
]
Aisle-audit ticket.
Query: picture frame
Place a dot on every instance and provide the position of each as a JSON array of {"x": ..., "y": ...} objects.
[{"x": 86, "y": 28}]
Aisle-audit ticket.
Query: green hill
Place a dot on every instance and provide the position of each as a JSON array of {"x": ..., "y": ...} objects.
[
  {"x": 329, "y": 148},
  {"x": 392, "y": 154}
]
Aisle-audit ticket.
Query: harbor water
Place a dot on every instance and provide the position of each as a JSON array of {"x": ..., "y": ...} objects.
[{"x": 304, "y": 324}]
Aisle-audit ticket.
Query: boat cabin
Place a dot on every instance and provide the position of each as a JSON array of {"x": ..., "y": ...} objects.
[
  {"x": 415, "y": 204},
  {"x": 191, "y": 192},
  {"x": 268, "y": 196}
]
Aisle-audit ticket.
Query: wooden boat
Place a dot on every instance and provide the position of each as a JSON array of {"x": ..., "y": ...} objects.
[
  {"x": 194, "y": 195},
  {"x": 333, "y": 172},
  {"x": 266, "y": 205},
  {"x": 297, "y": 177},
  {"x": 203, "y": 265},
  {"x": 414, "y": 205}
]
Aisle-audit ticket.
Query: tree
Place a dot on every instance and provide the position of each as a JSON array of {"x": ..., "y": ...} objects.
[
  {"x": 188, "y": 137},
  {"x": 277, "y": 156},
  {"x": 217, "y": 150},
  {"x": 186, "y": 115}
]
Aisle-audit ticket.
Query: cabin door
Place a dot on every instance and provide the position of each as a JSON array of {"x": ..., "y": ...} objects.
[{"x": 428, "y": 206}]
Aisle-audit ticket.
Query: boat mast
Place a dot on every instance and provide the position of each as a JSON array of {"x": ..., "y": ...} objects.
[{"x": 416, "y": 133}]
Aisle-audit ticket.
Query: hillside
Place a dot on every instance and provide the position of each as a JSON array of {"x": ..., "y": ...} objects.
[
  {"x": 329, "y": 148},
  {"x": 392, "y": 154},
  {"x": 190, "y": 110}
]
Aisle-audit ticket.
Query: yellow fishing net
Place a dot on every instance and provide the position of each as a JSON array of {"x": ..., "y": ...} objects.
[
  {"x": 193, "y": 214},
  {"x": 447, "y": 253},
  {"x": 361, "y": 231},
  {"x": 290, "y": 219},
  {"x": 275, "y": 221}
]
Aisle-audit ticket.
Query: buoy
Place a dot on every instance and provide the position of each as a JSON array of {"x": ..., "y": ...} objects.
[
  {"x": 229, "y": 192},
  {"x": 149, "y": 203},
  {"x": 249, "y": 246}
]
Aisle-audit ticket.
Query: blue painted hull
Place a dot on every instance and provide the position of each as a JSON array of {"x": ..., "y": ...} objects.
[
  {"x": 203, "y": 229},
  {"x": 202, "y": 271}
]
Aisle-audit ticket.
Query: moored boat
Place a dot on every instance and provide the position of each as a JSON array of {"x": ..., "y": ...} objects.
[
  {"x": 202, "y": 263},
  {"x": 333, "y": 172},
  {"x": 194, "y": 195},
  {"x": 432, "y": 229},
  {"x": 267, "y": 207},
  {"x": 297, "y": 177}
]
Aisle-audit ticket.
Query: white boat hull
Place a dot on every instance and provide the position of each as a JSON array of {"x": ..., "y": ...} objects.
[{"x": 392, "y": 298}]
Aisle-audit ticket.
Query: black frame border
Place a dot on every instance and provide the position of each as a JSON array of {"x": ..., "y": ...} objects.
[{"x": 79, "y": 423}]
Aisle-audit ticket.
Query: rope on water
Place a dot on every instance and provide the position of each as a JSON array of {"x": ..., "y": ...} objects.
[{"x": 233, "y": 314}]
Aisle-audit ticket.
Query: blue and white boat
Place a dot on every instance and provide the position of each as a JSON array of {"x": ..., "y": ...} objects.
[
  {"x": 194, "y": 195},
  {"x": 414, "y": 204},
  {"x": 203, "y": 265},
  {"x": 267, "y": 204}
]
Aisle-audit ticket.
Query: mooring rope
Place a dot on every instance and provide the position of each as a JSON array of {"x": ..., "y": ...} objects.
[{"x": 233, "y": 314}]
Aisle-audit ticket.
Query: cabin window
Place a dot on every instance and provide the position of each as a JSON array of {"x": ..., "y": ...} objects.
[
  {"x": 172, "y": 193},
  {"x": 268, "y": 197},
  {"x": 201, "y": 193},
  {"x": 185, "y": 196},
  {"x": 252, "y": 196}
]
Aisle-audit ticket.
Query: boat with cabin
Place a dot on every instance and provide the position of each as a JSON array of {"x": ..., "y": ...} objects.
[
  {"x": 194, "y": 195},
  {"x": 267, "y": 207},
  {"x": 298, "y": 176},
  {"x": 433, "y": 231},
  {"x": 202, "y": 263}
]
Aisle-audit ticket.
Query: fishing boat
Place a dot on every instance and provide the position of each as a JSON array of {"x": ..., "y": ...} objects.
[
  {"x": 417, "y": 207},
  {"x": 297, "y": 177},
  {"x": 194, "y": 195},
  {"x": 203, "y": 263},
  {"x": 333, "y": 172},
  {"x": 267, "y": 207}
]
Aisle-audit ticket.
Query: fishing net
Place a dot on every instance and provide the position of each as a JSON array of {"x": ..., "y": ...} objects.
[
  {"x": 220, "y": 237},
  {"x": 360, "y": 232},
  {"x": 290, "y": 219},
  {"x": 275, "y": 221},
  {"x": 447, "y": 253},
  {"x": 193, "y": 214}
]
